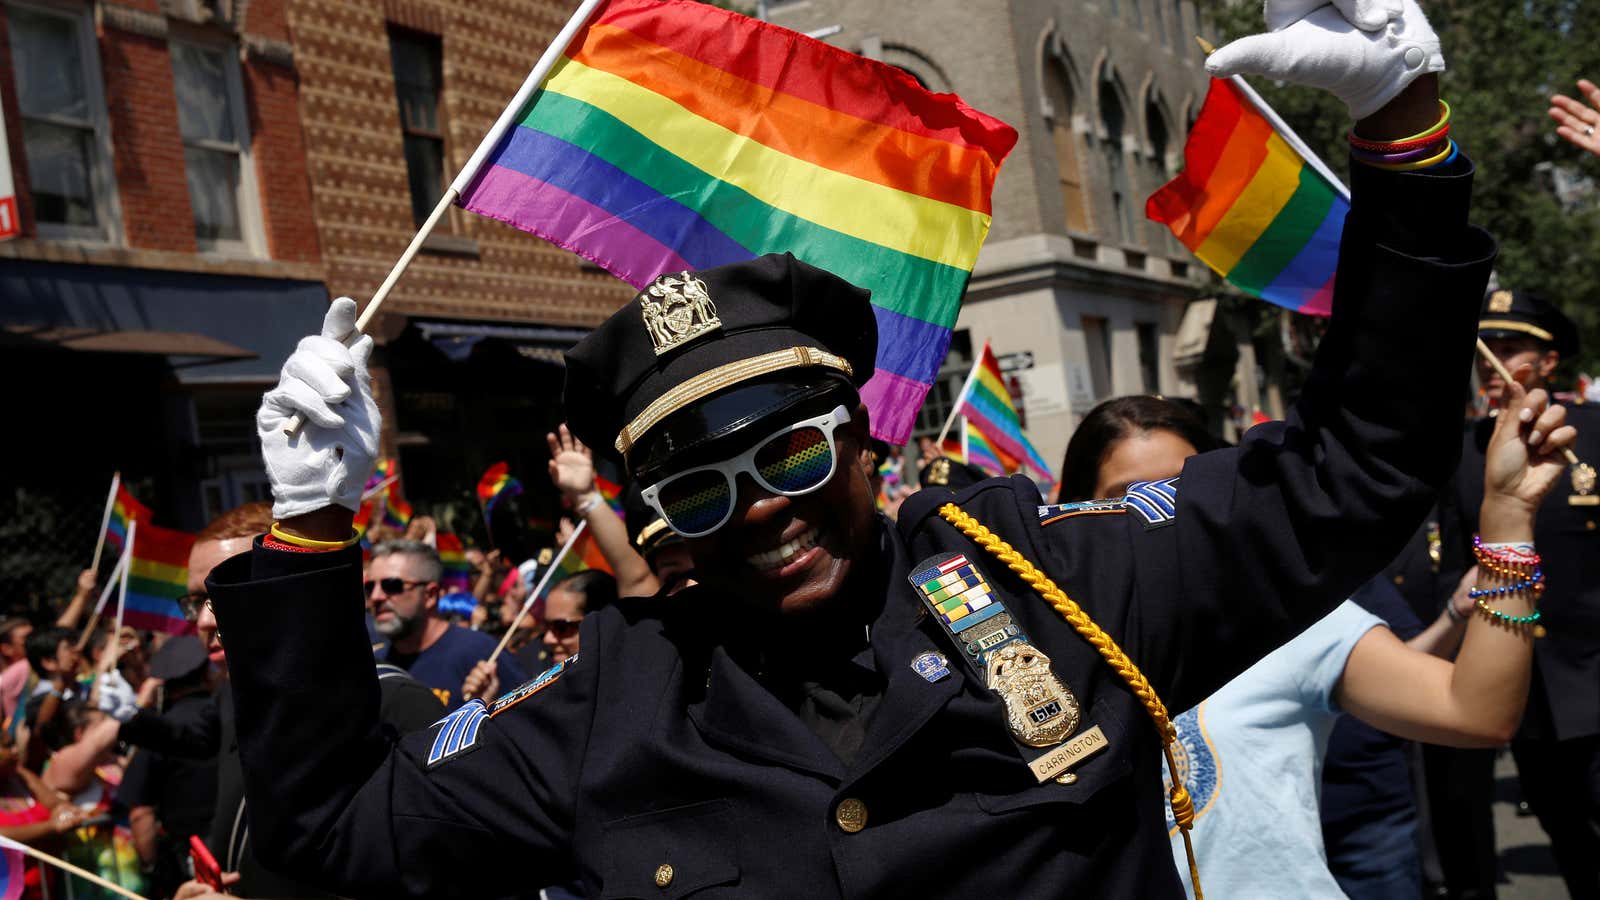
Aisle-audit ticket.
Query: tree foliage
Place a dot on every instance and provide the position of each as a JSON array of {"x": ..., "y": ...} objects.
[{"x": 1505, "y": 60}]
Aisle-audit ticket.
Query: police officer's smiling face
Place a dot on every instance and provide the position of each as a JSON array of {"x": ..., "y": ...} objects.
[{"x": 794, "y": 554}]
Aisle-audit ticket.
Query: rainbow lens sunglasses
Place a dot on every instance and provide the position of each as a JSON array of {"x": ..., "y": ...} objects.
[{"x": 795, "y": 460}]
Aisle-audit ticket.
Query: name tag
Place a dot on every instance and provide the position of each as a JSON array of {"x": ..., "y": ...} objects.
[{"x": 1069, "y": 754}]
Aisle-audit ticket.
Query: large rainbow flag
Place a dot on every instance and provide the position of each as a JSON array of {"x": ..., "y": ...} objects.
[
  {"x": 124, "y": 509},
  {"x": 158, "y": 574},
  {"x": 990, "y": 414},
  {"x": 1252, "y": 208},
  {"x": 675, "y": 135}
]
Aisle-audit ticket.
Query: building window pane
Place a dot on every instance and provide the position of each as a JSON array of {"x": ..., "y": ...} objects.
[
  {"x": 1113, "y": 120},
  {"x": 1149, "y": 356},
  {"x": 213, "y": 153},
  {"x": 1097, "y": 341},
  {"x": 214, "y": 194},
  {"x": 418, "y": 80},
  {"x": 1136, "y": 14},
  {"x": 59, "y": 135},
  {"x": 1069, "y": 172}
]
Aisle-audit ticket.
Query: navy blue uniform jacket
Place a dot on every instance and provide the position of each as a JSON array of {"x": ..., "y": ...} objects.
[{"x": 658, "y": 746}]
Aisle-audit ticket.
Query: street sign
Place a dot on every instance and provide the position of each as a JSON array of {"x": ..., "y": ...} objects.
[{"x": 1015, "y": 362}]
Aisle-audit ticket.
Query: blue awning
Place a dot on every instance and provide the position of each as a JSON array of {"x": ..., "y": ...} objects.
[{"x": 265, "y": 316}]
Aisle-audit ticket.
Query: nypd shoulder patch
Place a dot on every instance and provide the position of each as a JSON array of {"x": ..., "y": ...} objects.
[
  {"x": 530, "y": 687},
  {"x": 458, "y": 733},
  {"x": 1155, "y": 501},
  {"x": 1056, "y": 512}
]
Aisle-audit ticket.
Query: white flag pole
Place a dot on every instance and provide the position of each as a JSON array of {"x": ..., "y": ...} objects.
[
  {"x": 105, "y": 519},
  {"x": 63, "y": 864},
  {"x": 528, "y": 603},
  {"x": 122, "y": 597},
  {"x": 965, "y": 386},
  {"x": 100, "y": 605},
  {"x": 508, "y": 118}
]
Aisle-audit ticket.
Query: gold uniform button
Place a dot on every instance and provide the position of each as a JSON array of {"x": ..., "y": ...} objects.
[
  {"x": 851, "y": 815},
  {"x": 663, "y": 875},
  {"x": 1399, "y": 579},
  {"x": 1589, "y": 525}
]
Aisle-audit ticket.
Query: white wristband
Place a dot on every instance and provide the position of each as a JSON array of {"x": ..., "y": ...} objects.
[{"x": 590, "y": 501}]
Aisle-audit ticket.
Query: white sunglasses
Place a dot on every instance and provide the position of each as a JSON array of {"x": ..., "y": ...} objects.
[{"x": 794, "y": 460}]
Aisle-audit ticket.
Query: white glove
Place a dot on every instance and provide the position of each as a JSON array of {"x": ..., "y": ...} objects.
[
  {"x": 1364, "y": 52},
  {"x": 328, "y": 459},
  {"x": 117, "y": 699}
]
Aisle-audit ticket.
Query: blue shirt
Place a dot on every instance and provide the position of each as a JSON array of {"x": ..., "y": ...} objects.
[{"x": 446, "y": 663}]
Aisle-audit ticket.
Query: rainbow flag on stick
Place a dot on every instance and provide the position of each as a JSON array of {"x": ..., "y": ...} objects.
[
  {"x": 583, "y": 554},
  {"x": 124, "y": 509},
  {"x": 157, "y": 575},
  {"x": 673, "y": 135},
  {"x": 496, "y": 485},
  {"x": 985, "y": 403},
  {"x": 612, "y": 493},
  {"x": 981, "y": 453},
  {"x": 457, "y": 571},
  {"x": 1255, "y": 204}
]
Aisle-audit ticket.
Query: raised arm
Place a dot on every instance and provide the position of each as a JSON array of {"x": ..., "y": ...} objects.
[
  {"x": 333, "y": 797},
  {"x": 1478, "y": 701},
  {"x": 1269, "y": 536},
  {"x": 572, "y": 472}
]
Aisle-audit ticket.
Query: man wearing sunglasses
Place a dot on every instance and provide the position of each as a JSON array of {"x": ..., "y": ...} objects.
[{"x": 806, "y": 720}]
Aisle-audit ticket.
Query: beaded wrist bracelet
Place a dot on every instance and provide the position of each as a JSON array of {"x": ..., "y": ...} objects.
[
  {"x": 1497, "y": 615},
  {"x": 1520, "y": 565}
]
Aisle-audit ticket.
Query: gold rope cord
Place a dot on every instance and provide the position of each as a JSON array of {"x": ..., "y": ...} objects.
[{"x": 1182, "y": 804}]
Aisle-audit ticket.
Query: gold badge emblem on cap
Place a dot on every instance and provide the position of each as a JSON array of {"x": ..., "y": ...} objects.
[
  {"x": 677, "y": 309},
  {"x": 1500, "y": 302}
]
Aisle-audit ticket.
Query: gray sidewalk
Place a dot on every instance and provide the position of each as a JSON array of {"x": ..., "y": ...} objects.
[{"x": 1524, "y": 851}]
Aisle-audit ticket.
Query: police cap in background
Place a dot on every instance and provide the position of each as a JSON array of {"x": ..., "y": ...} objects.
[
  {"x": 1509, "y": 314},
  {"x": 699, "y": 356}
]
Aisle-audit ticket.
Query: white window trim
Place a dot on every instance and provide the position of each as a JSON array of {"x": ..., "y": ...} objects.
[
  {"x": 251, "y": 226},
  {"x": 102, "y": 175}
]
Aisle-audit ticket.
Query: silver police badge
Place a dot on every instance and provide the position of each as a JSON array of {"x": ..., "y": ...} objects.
[
  {"x": 677, "y": 309},
  {"x": 1039, "y": 708}
]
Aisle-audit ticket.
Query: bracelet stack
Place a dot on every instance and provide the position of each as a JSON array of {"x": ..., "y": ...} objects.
[
  {"x": 1520, "y": 569},
  {"x": 1419, "y": 151}
]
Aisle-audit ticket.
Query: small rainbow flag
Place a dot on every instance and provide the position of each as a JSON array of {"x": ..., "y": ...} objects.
[
  {"x": 674, "y": 135},
  {"x": 396, "y": 511},
  {"x": 1252, "y": 208},
  {"x": 457, "y": 571},
  {"x": 985, "y": 455},
  {"x": 158, "y": 574},
  {"x": 124, "y": 509},
  {"x": 495, "y": 485},
  {"x": 612, "y": 492},
  {"x": 986, "y": 404},
  {"x": 13, "y": 877},
  {"x": 585, "y": 554}
]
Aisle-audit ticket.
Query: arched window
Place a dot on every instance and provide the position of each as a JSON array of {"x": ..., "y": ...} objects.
[
  {"x": 1180, "y": 39},
  {"x": 1161, "y": 168},
  {"x": 1136, "y": 14},
  {"x": 1069, "y": 169},
  {"x": 1113, "y": 122}
]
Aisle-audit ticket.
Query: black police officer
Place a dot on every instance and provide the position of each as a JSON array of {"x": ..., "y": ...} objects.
[
  {"x": 1558, "y": 747},
  {"x": 807, "y": 720}
]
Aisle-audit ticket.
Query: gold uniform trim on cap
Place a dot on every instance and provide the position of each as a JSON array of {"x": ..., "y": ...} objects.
[
  {"x": 1514, "y": 325},
  {"x": 649, "y": 532},
  {"x": 727, "y": 375}
]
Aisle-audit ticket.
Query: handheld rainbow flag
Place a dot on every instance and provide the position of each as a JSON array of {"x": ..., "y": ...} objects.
[
  {"x": 1254, "y": 205},
  {"x": 496, "y": 485},
  {"x": 612, "y": 493},
  {"x": 986, "y": 404},
  {"x": 124, "y": 509},
  {"x": 674, "y": 135},
  {"x": 584, "y": 554},
  {"x": 158, "y": 574},
  {"x": 981, "y": 453},
  {"x": 396, "y": 511},
  {"x": 457, "y": 571}
]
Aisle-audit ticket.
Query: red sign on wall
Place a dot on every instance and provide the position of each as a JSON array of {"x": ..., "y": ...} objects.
[{"x": 10, "y": 226}]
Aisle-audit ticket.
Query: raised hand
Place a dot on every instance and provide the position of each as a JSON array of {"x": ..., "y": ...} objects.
[
  {"x": 327, "y": 461},
  {"x": 1524, "y": 459},
  {"x": 571, "y": 464},
  {"x": 1578, "y": 123},
  {"x": 1365, "y": 52}
]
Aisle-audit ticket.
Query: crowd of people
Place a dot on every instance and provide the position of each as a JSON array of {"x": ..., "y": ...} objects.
[{"x": 801, "y": 671}]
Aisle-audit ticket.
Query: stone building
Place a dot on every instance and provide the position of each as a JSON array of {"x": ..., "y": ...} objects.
[{"x": 1080, "y": 296}]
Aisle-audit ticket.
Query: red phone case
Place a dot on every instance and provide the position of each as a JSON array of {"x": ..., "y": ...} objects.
[{"x": 206, "y": 869}]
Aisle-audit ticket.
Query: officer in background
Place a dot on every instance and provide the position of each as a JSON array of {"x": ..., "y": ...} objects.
[
  {"x": 840, "y": 707},
  {"x": 1558, "y": 747}
]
